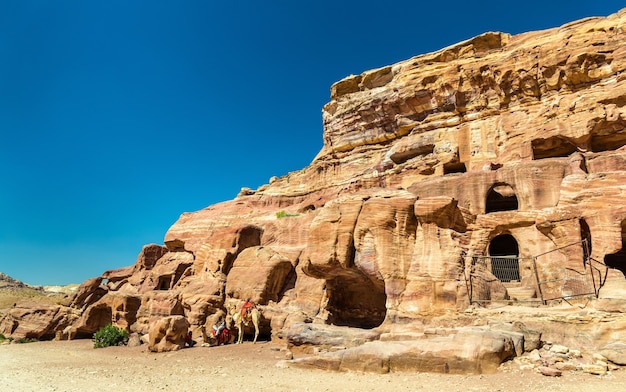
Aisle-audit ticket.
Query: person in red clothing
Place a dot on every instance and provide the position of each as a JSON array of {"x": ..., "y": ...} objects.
[
  {"x": 247, "y": 308},
  {"x": 189, "y": 340}
]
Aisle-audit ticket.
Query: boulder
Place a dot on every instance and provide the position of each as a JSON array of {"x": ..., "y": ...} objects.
[
  {"x": 168, "y": 334},
  {"x": 32, "y": 321},
  {"x": 472, "y": 350},
  {"x": 615, "y": 352}
]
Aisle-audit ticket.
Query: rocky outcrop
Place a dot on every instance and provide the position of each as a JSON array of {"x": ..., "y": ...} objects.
[
  {"x": 31, "y": 320},
  {"x": 468, "y": 350},
  {"x": 490, "y": 172}
]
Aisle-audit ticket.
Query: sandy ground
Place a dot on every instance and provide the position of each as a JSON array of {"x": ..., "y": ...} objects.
[{"x": 77, "y": 366}]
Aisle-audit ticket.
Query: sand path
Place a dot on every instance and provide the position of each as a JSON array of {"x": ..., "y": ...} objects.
[{"x": 77, "y": 366}]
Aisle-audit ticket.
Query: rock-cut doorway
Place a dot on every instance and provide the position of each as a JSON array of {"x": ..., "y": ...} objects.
[{"x": 504, "y": 255}]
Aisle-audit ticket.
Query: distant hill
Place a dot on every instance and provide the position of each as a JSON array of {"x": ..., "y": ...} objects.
[
  {"x": 14, "y": 291},
  {"x": 7, "y": 282}
]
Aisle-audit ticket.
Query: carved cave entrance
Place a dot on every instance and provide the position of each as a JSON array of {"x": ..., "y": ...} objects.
[
  {"x": 617, "y": 260},
  {"x": 504, "y": 253},
  {"x": 355, "y": 301},
  {"x": 501, "y": 197}
]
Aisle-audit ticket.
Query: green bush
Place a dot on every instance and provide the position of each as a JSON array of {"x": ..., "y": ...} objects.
[
  {"x": 110, "y": 335},
  {"x": 25, "y": 340},
  {"x": 284, "y": 214}
]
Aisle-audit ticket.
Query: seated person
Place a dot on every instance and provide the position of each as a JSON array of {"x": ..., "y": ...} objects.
[{"x": 219, "y": 327}]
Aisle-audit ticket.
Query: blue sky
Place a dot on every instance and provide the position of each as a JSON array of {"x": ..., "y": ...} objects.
[{"x": 118, "y": 116}]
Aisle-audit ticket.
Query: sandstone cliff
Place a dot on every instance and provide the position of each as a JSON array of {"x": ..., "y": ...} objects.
[{"x": 490, "y": 172}]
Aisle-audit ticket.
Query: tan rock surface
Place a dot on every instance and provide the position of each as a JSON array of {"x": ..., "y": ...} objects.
[{"x": 168, "y": 334}]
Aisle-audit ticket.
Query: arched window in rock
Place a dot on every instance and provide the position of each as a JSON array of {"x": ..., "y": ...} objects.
[
  {"x": 617, "y": 260},
  {"x": 501, "y": 197},
  {"x": 504, "y": 253}
]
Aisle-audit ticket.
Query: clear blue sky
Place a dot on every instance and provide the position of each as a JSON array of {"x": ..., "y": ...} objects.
[{"x": 118, "y": 116}]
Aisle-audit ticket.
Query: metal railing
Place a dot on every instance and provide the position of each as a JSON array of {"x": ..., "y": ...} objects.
[
  {"x": 499, "y": 279},
  {"x": 555, "y": 275},
  {"x": 563, "y": 276}
]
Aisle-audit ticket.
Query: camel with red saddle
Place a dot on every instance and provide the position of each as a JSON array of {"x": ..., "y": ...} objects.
[{"x": 243, "y": 318}]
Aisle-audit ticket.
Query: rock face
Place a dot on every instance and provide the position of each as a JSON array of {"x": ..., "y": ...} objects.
[{"x": 489, "y": 172}]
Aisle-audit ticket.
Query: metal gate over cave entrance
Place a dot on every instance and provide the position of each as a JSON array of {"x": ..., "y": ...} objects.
[{"x": 564, "y": 273}]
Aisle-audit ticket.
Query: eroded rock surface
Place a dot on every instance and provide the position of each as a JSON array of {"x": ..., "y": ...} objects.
[{"x": 168, "y": 334}]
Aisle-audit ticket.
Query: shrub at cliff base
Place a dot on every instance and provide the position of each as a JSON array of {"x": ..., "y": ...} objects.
[{"x": 110, "y": 335}]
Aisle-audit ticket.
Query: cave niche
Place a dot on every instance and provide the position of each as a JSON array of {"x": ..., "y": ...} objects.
[
  {"x": 355, "y": 301},
  {"x": 454, "y": 167},
  {"x": 501, "y": 197},
  {"x": 609, "y": 137},
  {"x": 617, "y": 260},
  {"x": 98, "y": 316},
  {"x": 552, "y": 147}
]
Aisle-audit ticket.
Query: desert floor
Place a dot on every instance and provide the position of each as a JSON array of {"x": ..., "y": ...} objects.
[{"x": 77, "y": 366}]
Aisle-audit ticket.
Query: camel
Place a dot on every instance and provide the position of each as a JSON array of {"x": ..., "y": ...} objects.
[{"x": 240, "y": 322}]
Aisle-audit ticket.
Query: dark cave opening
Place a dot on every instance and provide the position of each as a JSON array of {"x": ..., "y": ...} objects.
[
  {"x": 355, "y": 301},
  {"x": 504, "y": 253},
  {"x": 165, "y": 282},
  {"x": 617, "y": 260},
  {"x": 501, "y": 197},
  {"x": 552, "y": 147},
  {"x": 454, "y": 167},
  {"x": 608, "y": 140}
]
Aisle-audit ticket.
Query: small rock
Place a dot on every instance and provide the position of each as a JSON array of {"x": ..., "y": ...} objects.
[
  {"x": 575, "y": 353},
  {"x": 593, "y": 369},
  {"x": 565, "y": 366},
  {"x": 549, "y": 371},
  {"x": 134, "y": 340},
  {"x": 558, "y": 349},
  {"x": 534, "y": 357},
  {"x": 602, "y": 363}
]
